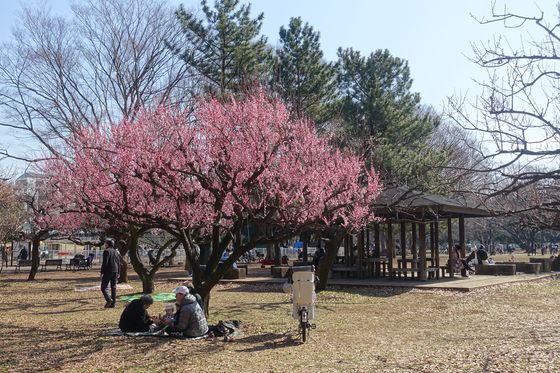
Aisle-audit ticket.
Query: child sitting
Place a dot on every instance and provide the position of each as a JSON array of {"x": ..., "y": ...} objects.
[{"x": 169, "y": 313}]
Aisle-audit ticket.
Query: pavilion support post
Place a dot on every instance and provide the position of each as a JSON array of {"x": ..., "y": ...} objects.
[
  {"x": 432, "y": 243},
  {"x": 360, "y": 254},
  {"x": 422, "y": 251},
  {"x": 390, "y": 247},
  {"x": 436, "y": 244},
  {"x": 377, "y": 241},
  {"x": 346, "y": 251},
  {"x": 403, "y": 246},
  {"x": 462, "y": 240},
  {"x": 414, "y": 242},
  {"x": 368, "y": 244},
  {"x": 377, "y": 250},
  {"x": 450, "y": 250},
  {"x": 403, "y": 240},
  {"x": 352, "y": 261}
]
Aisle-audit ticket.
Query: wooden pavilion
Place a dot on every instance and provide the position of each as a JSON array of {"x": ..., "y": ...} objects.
[{"x": 417, "y": 213}]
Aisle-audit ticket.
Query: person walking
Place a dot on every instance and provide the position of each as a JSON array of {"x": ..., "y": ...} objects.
[{"x": 110, "y": 268}]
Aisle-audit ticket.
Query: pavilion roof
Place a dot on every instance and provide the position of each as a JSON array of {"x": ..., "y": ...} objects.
[{"x": 403, "y": 204}]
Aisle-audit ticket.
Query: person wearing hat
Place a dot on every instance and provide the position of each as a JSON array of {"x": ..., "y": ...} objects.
[
  {"x": 110, "y": 268},
  {"x": 189, "y": 319},
  {"x": 134, "y": 317}
]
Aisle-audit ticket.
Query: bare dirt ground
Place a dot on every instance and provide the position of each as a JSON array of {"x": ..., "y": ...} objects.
[{"x": 46, "y": 326}]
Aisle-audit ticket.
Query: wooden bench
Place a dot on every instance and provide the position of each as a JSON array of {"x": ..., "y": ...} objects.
[
  {"x": 546, "y": 263},
  {"x": 344, "y": 271},
  {"x": 555, "y": 264},
  {"x": 526, "y": 267},
  {"x": 243, "y": 265},
  {"x": 235, "y": 273},
  {"x": 57, "y": 263},
  {"x": 279, "y": 271},
  {"x": 22, "y": 263},
  {"x": 497, "y": 269},
  {"x": 397, "y": 272},
  {"x": 445, "y": 269}
]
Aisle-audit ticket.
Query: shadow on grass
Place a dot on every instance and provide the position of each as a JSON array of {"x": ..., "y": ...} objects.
[
  {"x": 52, "y": 353},
  {"x": 70, "y": 305},
  {"x": 268, "y": 341},
  {"x": 253, "y": 288},
  {"x": 371, "y": 291},
  {"x": 234, "y": 311}
]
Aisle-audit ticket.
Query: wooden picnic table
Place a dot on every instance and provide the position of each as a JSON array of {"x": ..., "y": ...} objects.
[
  {"x": 377, "y": 267},
  {"x": 402, "y": 267}
]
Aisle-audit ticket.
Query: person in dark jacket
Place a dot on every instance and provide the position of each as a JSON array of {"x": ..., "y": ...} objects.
[
  {"x": 109, "y": 273},
  {"x": 23, "y": 254},
  {"x": 189, "y": 319},
  {"x": 135, "y": 317}
]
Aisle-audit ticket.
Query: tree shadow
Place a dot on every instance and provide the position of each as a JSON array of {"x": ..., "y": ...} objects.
[
  {"x": 253, "y": 288},
  {"x": 49, "y": 356},
  {"x": 370, "y": 291},
  {"x": 70, "y": 305},
  {"x": 268, "y": 341}
]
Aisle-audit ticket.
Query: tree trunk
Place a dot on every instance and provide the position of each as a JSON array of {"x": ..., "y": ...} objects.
[
  {"x": 34, "y": 258},
  {"x": 206, "y": 303},
  {"x": 277, "y": 254},
  {"x": 269, "y": 251},
  {"x": 146, "y": 277},
  {"x": 188, "y": 266},
  {"x": 148, "y": 284},
  {"x": 332, "y": 243},
  {"x": 123, "y": 275}
]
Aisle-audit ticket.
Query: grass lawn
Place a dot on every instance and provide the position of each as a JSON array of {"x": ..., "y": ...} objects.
[{"x": 46, "y": 325}]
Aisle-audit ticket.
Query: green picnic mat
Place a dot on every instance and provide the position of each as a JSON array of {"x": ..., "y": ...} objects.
[{"x": 158, "y": 297}]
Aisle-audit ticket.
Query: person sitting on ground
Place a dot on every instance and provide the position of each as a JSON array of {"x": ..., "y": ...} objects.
[
  {"x": 134, "y": 317},
  {"x": 189, "y": 319},
  {"x": 194, "y": 293}
]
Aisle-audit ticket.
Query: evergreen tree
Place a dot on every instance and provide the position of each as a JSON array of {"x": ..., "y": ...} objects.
[
  {"x": 383, "y": 119},
  {"x": 225, "y": 48},
  {"x": 304, "y": 80}
]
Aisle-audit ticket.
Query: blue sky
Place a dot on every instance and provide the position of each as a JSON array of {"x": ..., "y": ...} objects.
[{"x": 433, "y": 35}]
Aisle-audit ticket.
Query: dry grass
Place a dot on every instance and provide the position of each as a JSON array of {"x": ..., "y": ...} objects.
[{"x": 45, "y": 325}]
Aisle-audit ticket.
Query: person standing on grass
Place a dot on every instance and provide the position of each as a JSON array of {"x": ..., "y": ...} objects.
[{"x": 110, "y": 268}]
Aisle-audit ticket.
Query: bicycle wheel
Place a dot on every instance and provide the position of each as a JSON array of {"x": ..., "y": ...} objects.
[{"x": 303, "y": 325}]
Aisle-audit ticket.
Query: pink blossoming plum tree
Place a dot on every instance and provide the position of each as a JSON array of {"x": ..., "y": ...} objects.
[{"x": 208, "y": 174}]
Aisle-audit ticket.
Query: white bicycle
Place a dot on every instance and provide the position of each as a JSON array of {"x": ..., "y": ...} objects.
[{"x": 303, "y": 297}]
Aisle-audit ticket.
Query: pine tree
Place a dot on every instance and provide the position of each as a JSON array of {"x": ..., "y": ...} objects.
[
  {"x": 384, "y": 120},
  {"x": 304, "y": 80},
  {"x": 225, "y": 48}
]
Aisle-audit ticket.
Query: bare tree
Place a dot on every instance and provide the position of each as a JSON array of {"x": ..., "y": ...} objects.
[
  {"x": 517, "y": 114},
  {"x": 11, "y": 215},
  {"x": 102, "y": 64}
]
